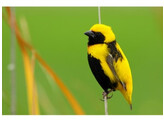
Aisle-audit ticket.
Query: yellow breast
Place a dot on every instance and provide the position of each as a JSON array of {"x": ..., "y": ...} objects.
[{"x": 100, "y": 52}]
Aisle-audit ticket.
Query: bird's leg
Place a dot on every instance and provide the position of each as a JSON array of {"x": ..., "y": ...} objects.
[
  {"x": 106, "y": 94},
  {"x": 110, "y": 91}
]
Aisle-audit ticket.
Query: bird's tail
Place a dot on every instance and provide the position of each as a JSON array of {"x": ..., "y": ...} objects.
[{"x": 130, "y": 106}]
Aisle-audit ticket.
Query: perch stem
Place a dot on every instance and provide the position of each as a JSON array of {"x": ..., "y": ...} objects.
[
  {"x": 106, "y": 105},
  {"x": 99, "y": 14}
]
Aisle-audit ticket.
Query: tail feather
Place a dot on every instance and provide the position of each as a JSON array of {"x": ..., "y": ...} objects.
[{"x": 130, "y": 106}]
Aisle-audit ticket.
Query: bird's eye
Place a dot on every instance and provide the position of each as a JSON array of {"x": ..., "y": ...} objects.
[{"x": 99, "y": 36}]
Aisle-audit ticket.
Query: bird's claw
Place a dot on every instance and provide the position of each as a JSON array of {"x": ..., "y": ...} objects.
[
  {"x": 105, "y": 94},
  {"x": 108, "y": 97}
]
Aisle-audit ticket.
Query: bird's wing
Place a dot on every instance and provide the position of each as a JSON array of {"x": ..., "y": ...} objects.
[
  {"x": 110, "y": 61},
  {"x": 122, "y": 67}
]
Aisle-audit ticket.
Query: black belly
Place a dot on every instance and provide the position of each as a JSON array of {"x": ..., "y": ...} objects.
[{"x": 99, "y": 74}]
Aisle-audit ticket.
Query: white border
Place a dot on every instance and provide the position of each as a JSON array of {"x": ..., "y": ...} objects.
[
  {"x": 83, "y": 118},
  {"x": 82, "y": 2},
  {"x": 74, "y": 3}
]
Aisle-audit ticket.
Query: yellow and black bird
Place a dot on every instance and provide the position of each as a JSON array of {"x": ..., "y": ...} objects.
[{"x": 108, "y": 62}]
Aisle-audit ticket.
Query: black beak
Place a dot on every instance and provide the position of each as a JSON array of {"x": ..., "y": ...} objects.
[{"x": 90, "y": 34}]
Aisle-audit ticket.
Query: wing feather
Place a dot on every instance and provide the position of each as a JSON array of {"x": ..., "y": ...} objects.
[{"x": 110, "y": 61}]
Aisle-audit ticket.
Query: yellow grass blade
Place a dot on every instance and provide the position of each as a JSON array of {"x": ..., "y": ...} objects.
[
  {"x": 31, "y": 89},
  {"x": 35, "y": 94}
]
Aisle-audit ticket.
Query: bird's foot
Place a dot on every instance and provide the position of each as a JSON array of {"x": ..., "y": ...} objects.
[{"x": 105, "y": 94}]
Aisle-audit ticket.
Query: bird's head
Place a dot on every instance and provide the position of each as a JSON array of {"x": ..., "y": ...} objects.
[{"x": 100, "y": 33}]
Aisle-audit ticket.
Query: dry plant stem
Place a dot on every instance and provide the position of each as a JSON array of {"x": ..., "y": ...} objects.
[
  {"x": 106, "y": 105},
  {"x": 78, "y": 110},
  {"x": 105, "y": 97},
  {"x": 12, "y": 65},
  {"x": 29, "y": 80},
  {"x": 99, "y": 14},
  {"x": 63, "y": 88},
  {"x": 76, "y": 107},
  {"x": 29, "y": 77},
  {"x": 27, "y": 65}
]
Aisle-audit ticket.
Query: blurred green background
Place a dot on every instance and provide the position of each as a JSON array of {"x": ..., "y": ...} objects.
[{"x": 57, "y": 34}]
